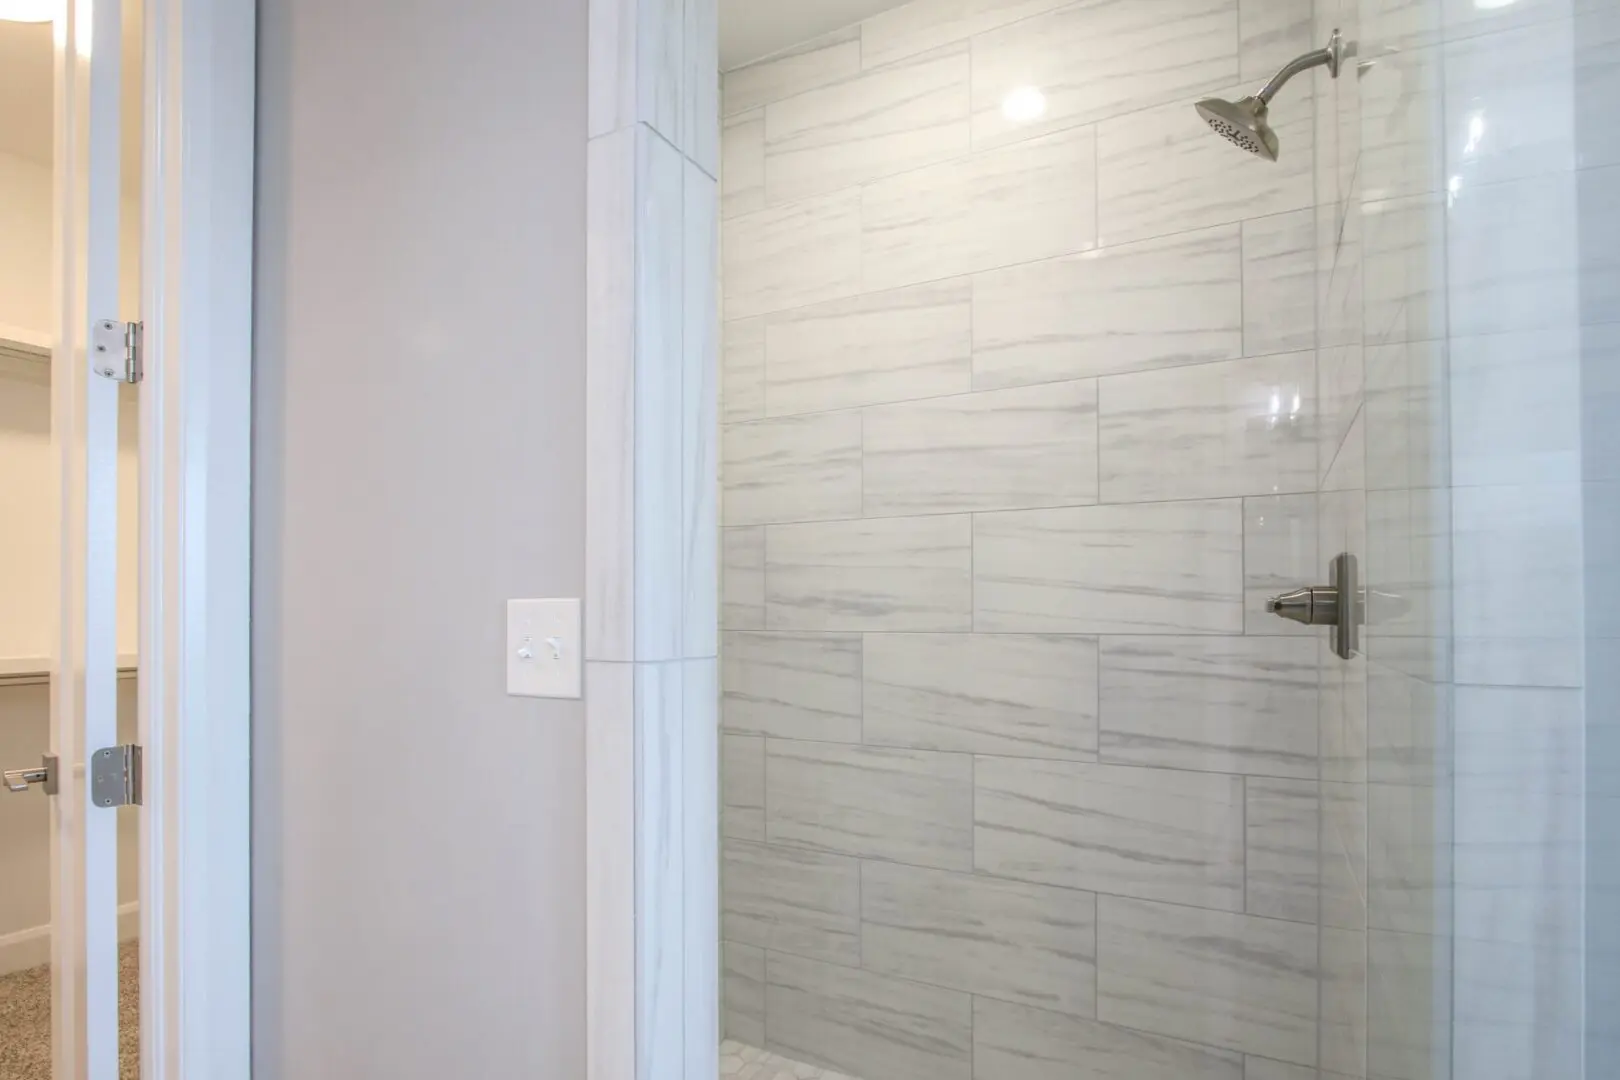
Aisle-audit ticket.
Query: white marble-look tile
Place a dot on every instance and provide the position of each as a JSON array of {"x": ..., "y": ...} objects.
[
  {"x": 1159, "y": 303},
  {"x": 660, "y": 434},
  {"x": 885, "y": 346},
  {"x": 742, "y": 164},
  {"x": 792, "y": 468},
  {"x": 1342, "y": 958},
  {"x": 1409, "y": 857},
  {"x": 1279, "y": 554},
  {"x": 1279, "y": 282},
  {"x": 1256, "y": 1068},
  {"x": 1149, "y": 568},
  {"x": 912, "y": 806},
  {"x": 1517, "y": 561},
  {"x": 739, "y": 1061},
  {"x": 1238, "y": 427},
  {"x": 1100, "y": 59},
  {"x": 1162, "y": 171},
  {"x": 610, "y": 398},
  {"x": 1516, "y": 402},
  {"x": 814, "y": 63},
  {"x": 1408, "y": 725},
  {"x": 788, "y": 256},
  {"x": 1343, "y": 877},
  {"x": 700, "y": 409},
  {"x": 700, "y": 869},
  {"x": 994, "y": 450},
  {"x": 1513, "y": 255},
  {"x": 923, "y": 25},
  {"x": 1022, "y": 1043},
  {"x": 1013, "y": 694},
  {"x": 867, "y": 1024},
  {"x": 700, "y": 98},
  {"x": 742, "y": 370},
  {"x": 1407, "y": 417},
  {"x": 1273, "y": 32},
  {"x": 742, "y": 787},
  {"x": 1212, "y": 703},
  {"x": 1020, "y": 942},
  {"x": 742, "y": 578},
  {"x": 887, "y": 574},
  {"x": 660, "y": 68},
  {"x": 1281, "y": 866},
  {"x": 1234, "y": 981},
  {"x": 790, "y": 900},
  {"x": 1506, "y": 128},
  {"x": 1403, "y": 288},
  {"x": 1464, "y": 18},
  {"x": 904, "y": 116},
  {"x": 793, "y": 686},
  {"x": 1153, "y": 833},
  {"x": 743, "y": 993},
  {"x": 660, "y": 777},
  {"x": 610, "y": 868},
  {"x": 1409, "y": 1009},
  {"x": 1402, "y": 124},
  {"x": 989, "y": 209}
]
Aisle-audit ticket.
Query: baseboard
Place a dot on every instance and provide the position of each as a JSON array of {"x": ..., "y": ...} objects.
[{"x": 23, "y": 949}]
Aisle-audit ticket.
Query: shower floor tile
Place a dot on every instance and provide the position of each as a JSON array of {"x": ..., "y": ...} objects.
[{"x": 739, "y": 1061}]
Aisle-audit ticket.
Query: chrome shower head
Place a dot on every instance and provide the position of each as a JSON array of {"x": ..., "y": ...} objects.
[
  {"x": 1244, "y": 123},
  {"x": 1241, "y": 122}
]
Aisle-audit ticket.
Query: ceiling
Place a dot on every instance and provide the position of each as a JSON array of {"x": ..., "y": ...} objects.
[
  {"x": 751, "y": 29},
  {"x": 26, "y": 89}
]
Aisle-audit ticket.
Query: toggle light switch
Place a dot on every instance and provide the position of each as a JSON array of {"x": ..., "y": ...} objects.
[{"x": 543, "y": 655}]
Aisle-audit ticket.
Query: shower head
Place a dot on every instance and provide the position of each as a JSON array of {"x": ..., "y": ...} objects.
[{"x": 1243, "y": 122}]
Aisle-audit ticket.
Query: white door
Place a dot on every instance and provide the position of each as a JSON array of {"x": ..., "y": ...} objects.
[{"x": 84, "y": 950}]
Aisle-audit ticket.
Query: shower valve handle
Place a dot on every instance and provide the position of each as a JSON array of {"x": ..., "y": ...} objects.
[{"x": 1337, "y": 605}]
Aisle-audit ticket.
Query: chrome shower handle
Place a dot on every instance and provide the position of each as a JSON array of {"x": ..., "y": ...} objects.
[{"x": 1337, "y": 605}]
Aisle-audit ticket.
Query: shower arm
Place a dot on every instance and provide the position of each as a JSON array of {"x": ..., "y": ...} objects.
[{"x": 1329, "y": 57}]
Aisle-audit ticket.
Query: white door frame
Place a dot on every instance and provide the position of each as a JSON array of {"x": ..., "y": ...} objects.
[{"x": 196, "y": 474}]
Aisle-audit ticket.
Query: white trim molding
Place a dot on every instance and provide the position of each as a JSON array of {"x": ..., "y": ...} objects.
[
  {"x": 652, "y": 796},
  {"x": 196, "y": 418}
]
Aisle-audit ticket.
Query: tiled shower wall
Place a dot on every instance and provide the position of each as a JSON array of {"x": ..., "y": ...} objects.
[{"x": 1021, "y": 426}]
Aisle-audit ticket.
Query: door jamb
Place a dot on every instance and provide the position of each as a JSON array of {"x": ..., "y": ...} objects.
[{"x": 196, "y": 416}]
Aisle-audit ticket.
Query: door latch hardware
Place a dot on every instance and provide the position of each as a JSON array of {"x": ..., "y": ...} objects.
[
  {"x": 115, "y": 776},
  {"x": 1336, "y": 605},
  {"x": 116, "y": 347},
  {"x": 44, "y": 776}
]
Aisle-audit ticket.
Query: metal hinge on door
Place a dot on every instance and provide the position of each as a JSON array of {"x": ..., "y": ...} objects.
[
  {"x": 115, "y": 776},
  {"x": 110, "y": 340}
]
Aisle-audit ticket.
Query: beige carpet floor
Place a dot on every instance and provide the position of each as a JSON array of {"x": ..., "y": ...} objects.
[{"x": 25, "y": 1020}]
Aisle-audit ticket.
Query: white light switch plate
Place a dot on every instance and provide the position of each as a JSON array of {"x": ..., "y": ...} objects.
[{"x": 543, "y": 648}]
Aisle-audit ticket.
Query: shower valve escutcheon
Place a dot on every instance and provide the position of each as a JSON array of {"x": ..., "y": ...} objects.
[{"x": 1336, "y": 605}]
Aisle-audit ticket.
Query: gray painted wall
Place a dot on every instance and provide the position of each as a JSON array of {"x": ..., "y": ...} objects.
[{"x": 419, "y": 459}]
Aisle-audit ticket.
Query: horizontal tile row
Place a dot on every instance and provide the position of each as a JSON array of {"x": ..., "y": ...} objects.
[
  {"x": 1180, "y": 994},
  {"x": 1157, "y": 303},
  {"x": 1238, "y": 427},
  {"x": 1051, "y": 196},
  {"x": 1216, "y": 704},
  {"x": 1188, "y": 567},
  {"x": 1207, "y": 839}
]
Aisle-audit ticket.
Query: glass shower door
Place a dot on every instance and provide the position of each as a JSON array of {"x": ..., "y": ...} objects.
[{"x": 1468, "y": 295}]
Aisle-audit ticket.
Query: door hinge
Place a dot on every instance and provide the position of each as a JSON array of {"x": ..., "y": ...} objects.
[
  {"x": 110, "y": 340},
  {"x": 115, "y": 776}
]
